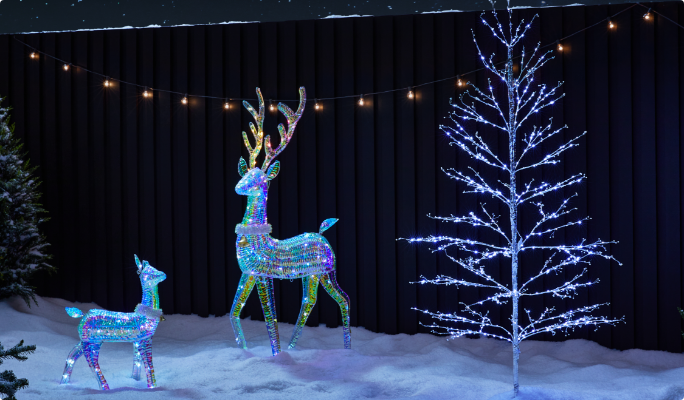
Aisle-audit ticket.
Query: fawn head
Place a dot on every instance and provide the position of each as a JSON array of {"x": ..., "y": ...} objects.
[
  {"x": 255, "y": 179},
  {"x": 149, "y": 276}
]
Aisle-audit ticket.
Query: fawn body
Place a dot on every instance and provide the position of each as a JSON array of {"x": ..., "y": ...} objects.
[
  {"x": 263, "y": 258},
  {"x": 138, "y": 327}
]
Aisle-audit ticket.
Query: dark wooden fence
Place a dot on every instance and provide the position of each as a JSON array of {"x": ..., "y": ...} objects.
[{"x": 124, "y": 174}]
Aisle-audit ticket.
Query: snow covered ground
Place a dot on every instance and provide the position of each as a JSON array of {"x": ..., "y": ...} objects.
[{"x": 197, "y": 358}]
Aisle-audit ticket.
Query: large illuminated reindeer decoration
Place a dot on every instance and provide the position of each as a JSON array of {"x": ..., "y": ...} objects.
[
  {"x": 99, "y": 326},
  {"x": 261, "y": 257}
]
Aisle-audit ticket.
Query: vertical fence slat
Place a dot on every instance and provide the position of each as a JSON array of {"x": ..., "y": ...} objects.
[
  {"x": 385, "y": 206},
  {"x": 163, "y": 169},
  {"x": 216, "y": 233},
  {"x": 96, "y": 168},
  {"x": 405, "y": 179},
  {"x": 116, "y": 259},
  {"x": 668, "y": 194},
  {"x": 598, "y": 164}
]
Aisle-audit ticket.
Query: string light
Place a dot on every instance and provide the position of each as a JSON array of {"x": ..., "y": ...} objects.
[
  {"x": 184, "y": 100},
  {"x": 271, "y": 107},
  {"x": 647, "y": 16},
  {"x": 459, "y": 81},
  {"x": 410, "y": 94},
  {"x": 226, "y": 105},
  {"x": 361, "y": 100},
  {"x": 106, "y": 82},
  {"x": 317, "y": 106}
]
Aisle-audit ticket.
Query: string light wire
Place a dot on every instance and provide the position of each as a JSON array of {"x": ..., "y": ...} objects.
[{"x": 451, "y": 78}]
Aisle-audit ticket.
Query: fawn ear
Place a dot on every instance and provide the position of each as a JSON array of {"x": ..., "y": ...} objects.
[
  {"x": 137, "y": 262},
  {"x": 273, "y": 171},
  {"x": 242, "y": 167}
]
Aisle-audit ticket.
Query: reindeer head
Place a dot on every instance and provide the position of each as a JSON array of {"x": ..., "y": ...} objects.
[
  {"x": 149, "y": 276},
  {"x": 255, "y": 179}
]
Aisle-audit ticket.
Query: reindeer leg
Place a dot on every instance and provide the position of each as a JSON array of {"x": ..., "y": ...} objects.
[
  {"x": 265, "y": 289},
  {"x": 145, "y": 349},
  {"x": 329, "y": 282},
  {"x": 310, "y": 286},
  {"x": 137, "y": 361},
  {"x": 92, "y": 353},
  {"x": 75, "y": 353},
  {"x": 244, "y": 289}
]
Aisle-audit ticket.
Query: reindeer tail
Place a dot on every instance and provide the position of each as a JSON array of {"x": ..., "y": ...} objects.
[
  {"x": 327, "y": 224},
  {"x": 74, "y": 312}
]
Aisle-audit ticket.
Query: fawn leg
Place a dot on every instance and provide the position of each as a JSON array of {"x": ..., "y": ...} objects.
[
  {"x": 329, "y": 282},
  {"x": 75, "y": 353},
  {"x": 137, "y": 361},
  {"x": 91, "y": 351},
  {"x": 310, "y": 286},
  {"x": 244, "y": 289},
  {"x": 265, "y": 289},
  {"x": 145, "y": 349}
]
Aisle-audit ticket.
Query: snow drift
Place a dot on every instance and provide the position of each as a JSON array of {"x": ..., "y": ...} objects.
[{"x": 196, "y": 358}]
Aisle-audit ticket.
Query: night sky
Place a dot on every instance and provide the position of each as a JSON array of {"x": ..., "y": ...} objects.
[{"x": 60, "y": 15}]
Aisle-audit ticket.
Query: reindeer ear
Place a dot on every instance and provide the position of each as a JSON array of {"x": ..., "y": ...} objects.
[
  {"x": 242, "y": 167},
  {"x": 137, "y": 262},
  {"x": 273, "y": 171}
]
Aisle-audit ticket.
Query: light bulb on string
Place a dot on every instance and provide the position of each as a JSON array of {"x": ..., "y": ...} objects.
[
  {"x": 361, "y": 100},
  {"x": 66, "y": 67},
  {"x": 271, "y": 107},
  {"x": 33, "y": 55},
  {"x": 184, "y": 100},
  {"x": 226, "y": 105},
  {"x": 147, "y": 93},
  {"x": 611, "y": 25},
  {"x": 107, "y": 83},
  {"x": 647, "y": 16},
  {"x": 459, "y": 82},
  {"x": 410, "y": 94},
  {"x": 317, "y": 106},
  {"x": 560, "y": 46}
]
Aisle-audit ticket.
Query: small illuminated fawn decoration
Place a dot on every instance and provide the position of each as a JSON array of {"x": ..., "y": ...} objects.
[
  {"x": 263, "y": 258},
  {"x": 99, "y": 326}
]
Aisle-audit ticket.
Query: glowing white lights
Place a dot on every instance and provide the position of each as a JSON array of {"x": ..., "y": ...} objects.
[{"x": 510, "y": 239}]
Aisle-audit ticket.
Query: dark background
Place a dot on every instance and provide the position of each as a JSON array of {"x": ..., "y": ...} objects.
[
  {"x": 124, "y": 175},
  {"x": 67, "y": 15}
]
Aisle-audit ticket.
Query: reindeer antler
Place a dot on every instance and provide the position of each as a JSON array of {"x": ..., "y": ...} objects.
[
  {"x": 257, "y": 131},
  {"x": 285, "y": 136}
]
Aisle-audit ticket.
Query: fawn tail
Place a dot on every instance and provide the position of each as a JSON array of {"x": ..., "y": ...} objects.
[{"x": 74, "y": 312}]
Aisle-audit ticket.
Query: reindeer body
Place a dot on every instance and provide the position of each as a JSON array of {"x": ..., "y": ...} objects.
[
  {"x": 138, "y": 327},
  {"x": 262, "y": 258}
]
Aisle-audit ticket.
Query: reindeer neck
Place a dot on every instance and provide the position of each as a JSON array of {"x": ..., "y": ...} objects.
[
  {"x": 151, "y": 297},
  {"x": 255, "y": 214}
]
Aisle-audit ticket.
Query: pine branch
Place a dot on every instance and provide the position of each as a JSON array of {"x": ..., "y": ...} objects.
[
  {"x": 9, "y": 383},
  {"x": 18, "y": 352}
]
